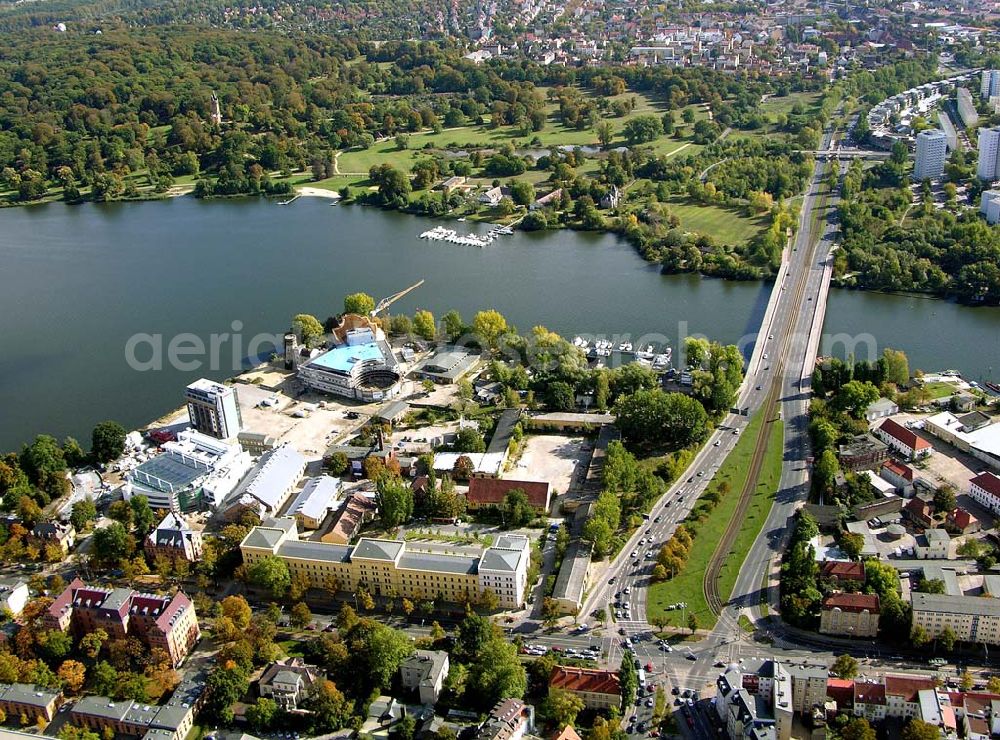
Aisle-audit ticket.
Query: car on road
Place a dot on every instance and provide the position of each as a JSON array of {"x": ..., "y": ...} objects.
[
  {"x": 758, "y": 387},
  {"x": 736, "y": 432},
  {"x": 765, "y": 355},
  {"x": 649, "y": 702},
  {"x": 691, "y": 656},
  {"x": 612, "y": 580},
  {"x": 627, "y": 590},
  {"x": 717, "y": 442},
  {"x": 657, "y": 520},
  {"x": 701, "y": 473}
]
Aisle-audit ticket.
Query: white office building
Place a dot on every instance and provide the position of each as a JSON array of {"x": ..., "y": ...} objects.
[
  {"x": 932, "y": 150},
  {"x": 193, "y": 473},
  {"x": 213, "y": 408},
  {"x": 990, "y": 84},
  {"x": 988, "y": 168},
  {"x": 989, "y": 206}
]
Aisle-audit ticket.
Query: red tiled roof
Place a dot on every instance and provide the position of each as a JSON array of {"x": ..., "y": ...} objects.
[
  {"x": 568, "y": 733},
  {"x": 589, "y": 680},
  {"x": 988, "y": 482},
  {"x": 962, "y": 518},
  {"x": 851, "y": 602},
  {"x": 841, "y": 690},
  {"x": 869, "y": 693},
  {"x": 904, "y": 435},
  {"x": 903, "y": 471},
  {"x": 491, "y": 491},
  {"x": 843, "y": 570},
  {"x": 919, "y": 507},
  {"x": 907, "y": 686}
]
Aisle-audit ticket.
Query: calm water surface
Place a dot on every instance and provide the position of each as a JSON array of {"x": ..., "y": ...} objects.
[{"x": 78, "y": 282}]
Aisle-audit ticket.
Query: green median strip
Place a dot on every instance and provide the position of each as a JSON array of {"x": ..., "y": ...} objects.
[{"x": 730, "y": 479}]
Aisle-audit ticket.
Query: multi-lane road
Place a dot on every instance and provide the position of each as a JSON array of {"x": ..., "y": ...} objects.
[{"x": 780, "y": 368}]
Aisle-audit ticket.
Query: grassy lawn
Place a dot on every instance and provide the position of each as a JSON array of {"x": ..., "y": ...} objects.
[
  {"x": 940, "y": 389},
  {"x": 688, "y": 585},
  {"x": 292, "y": 648},
  {"x": 775, "y": 106},
  {"x": 726, "y": 225}
]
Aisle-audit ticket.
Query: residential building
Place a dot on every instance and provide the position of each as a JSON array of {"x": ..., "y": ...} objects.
[
  {"x": 287, "y": 682},
  {"x": 384, "y": 716},
  {"x": 387, "y": 566},
  {"x": 931, "y": 154},
  {"x": 550, "y": 199},
  {"x": 967, "y": 108},
  {"x": 194, "y": 472},
  {"x": 755, "y": 705},
  {"x": 863, "y": 452},
  {"x": 62, "y": 534},
  {"x": 985, "y": 491},
  {"x": 971, "y": 618},
  {"x": 214, "y": 408},
  {"x": 851, "y": 614},
  {"x": 361, "y": 365},
  {"x": 808, "y": 686},
  {"x": 165, "y": 622},
  {"x": 842, "y": 572},
  {"x": 919, "y": 512},
  {"x": 170, "y": 721},
  {"x": 989, "y": 206},
  {"x": 493, "y": 196},
  {"x": 933, "y": 544},
  {"x": 14, "y": 595},
  {"x": 267, "y": 487},
  {"x": 492, "y": 491},
  {"x": 599, "y": 689},
  {"x": 963, "y": 522},
  {"x": 510, "y": 719},
  {"x": 881, "y": 409},
  {"x": 869, "y": 700},
  {"x": 175, "y": 540},
  {"x": 904, "y": 441},
  {"x": 988, "y": 168},
  {"x": 315, "y": 501},
  {"x": 990, "y": 84},
  {"x": 424, "y": 673},
  {"x": 33, "y": 702},
  {"x": 568, "y": 733},
  {"x": 902, "y": 695}
]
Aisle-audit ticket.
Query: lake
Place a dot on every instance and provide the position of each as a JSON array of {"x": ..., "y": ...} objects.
[{"x": 79, "y": 282}]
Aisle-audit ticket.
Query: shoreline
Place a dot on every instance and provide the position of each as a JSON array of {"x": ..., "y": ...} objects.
[{"x": 309, "y": 191}]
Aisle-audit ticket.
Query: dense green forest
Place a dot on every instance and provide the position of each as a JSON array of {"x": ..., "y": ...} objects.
[{"x": 891, "y": 244}]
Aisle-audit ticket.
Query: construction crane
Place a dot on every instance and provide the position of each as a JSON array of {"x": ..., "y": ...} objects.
[{"x": 386, "y": 302}]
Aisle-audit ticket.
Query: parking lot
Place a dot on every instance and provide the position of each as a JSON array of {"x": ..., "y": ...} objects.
[{"x": 558, "y": 459}]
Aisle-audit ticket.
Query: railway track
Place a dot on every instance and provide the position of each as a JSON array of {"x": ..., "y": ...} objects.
[{"x": 710, "y": 583}]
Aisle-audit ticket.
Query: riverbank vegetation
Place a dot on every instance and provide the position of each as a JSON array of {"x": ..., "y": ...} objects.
[{"x": 891, "y": 244}]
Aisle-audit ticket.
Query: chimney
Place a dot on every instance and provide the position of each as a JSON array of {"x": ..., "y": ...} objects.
[{"x": 381, "y": 441}]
